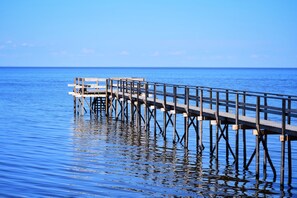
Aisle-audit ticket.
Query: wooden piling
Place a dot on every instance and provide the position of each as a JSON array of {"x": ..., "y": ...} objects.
[
  {"x": 218, "y": 124},
  {"x": 257, "y": 136},
  {"x": 164, "y": 110},
  {"x": 174, "y": 112},
  {"x": 187, "y": 117},
  {"x": 210, "y": 126},
  {"x": 283, "y": 144},
  {"x": 243, "y": 130},
  {"x": 237, "y": 131},
  {"x": 227, "y": 128},
  {"x": 155, "y": 109}
]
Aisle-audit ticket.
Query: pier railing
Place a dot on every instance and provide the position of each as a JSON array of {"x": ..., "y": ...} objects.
[{"x": 280, "y": 110}]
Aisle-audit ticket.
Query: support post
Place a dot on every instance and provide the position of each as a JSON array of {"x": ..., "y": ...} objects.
[
  {"x": 164, "y": 113},
  {"x": 201, "y": 122},
  {"x": 138, "y": 116},
  {"x": 289, "y": 144},
  {"x": 111, "y": 97},
  {"x": 122, "y": 101},
  {"x": 210, "y": 126},
  {"x": 83, "y": 98},
  {"x": 187, "y": 117},
  {"x": 243, "y": 131},
  {"x": 283, "y": 144},
  {"x": 116, "y": 101},
  {"x": 131, "y": 103},
  {"x": 155, "y": 109},
  {"x": 145, "y": 105},
  {"x": 174, "y": 113},
  {"x": 257, "y": 137},
  {"x": 265, "y": 139},
  {"x": 197, "y": 122},
  {"x": 237, "y": 131},
  {"x": 218, "y": 123},
  {"x": 106, "y": 98},
  {"x": 227, "y": 128},
  {"x": 74, "y": 96}
]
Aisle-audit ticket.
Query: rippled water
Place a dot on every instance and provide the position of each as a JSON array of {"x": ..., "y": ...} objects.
[{"x": 46, "y": 152}]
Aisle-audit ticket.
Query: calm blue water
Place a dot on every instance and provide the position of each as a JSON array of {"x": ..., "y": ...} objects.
[{"x": 45, "y": 152}]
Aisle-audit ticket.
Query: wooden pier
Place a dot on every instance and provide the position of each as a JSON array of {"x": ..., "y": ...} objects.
[{"x": 138, "y": 102}]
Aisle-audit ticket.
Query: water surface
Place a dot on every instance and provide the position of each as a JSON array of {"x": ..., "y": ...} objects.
[{"x": 45, "y": 151}]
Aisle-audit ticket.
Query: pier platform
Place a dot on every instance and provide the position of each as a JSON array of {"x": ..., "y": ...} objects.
[{"x": 139, "y": 102}]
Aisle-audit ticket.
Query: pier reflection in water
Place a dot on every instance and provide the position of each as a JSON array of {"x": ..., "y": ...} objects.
[{"x": 114, "y": 156}]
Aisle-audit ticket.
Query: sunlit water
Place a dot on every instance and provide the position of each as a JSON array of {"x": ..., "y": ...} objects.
[{"x": 46, "y": 152}]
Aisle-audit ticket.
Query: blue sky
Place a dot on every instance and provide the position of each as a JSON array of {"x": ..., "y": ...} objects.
[{"x": 185, "y": 33}]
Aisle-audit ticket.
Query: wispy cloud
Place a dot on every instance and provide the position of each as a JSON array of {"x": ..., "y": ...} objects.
[
  {"x": 27, "y": 44},
  {"x": 60, "y": 53},
  {"x": 258, "y": 56},
  {"x": 9, "y": 44},
  {"x": 176, "y": 53},
  {"x": 124, "y": 53},
  {"x": 156, "y": 53},
  {"x": 87, "y": 51}
]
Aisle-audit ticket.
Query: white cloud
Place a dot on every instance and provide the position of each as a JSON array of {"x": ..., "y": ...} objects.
[
  {"x": 156, "y": 53},
  {"x": 60, "y": 53},
  {"x": 26, "y": 44},
  {"x": 258, "y": 56},
  {"x": 176, "y": 53},
  {"x": 88, "y": 51},
  {"x": 254, "y": 56},
  {"x": 124, "y": 53}
]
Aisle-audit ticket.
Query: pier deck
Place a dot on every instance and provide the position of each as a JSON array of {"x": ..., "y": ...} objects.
[{"x": 139, "y": 101}]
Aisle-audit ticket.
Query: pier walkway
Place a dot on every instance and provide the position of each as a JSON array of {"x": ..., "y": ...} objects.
[{"x": 140, "y": 102}]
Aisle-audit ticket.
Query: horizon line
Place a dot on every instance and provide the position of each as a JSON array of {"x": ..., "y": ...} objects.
[{"x": 148, "y": 67}]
